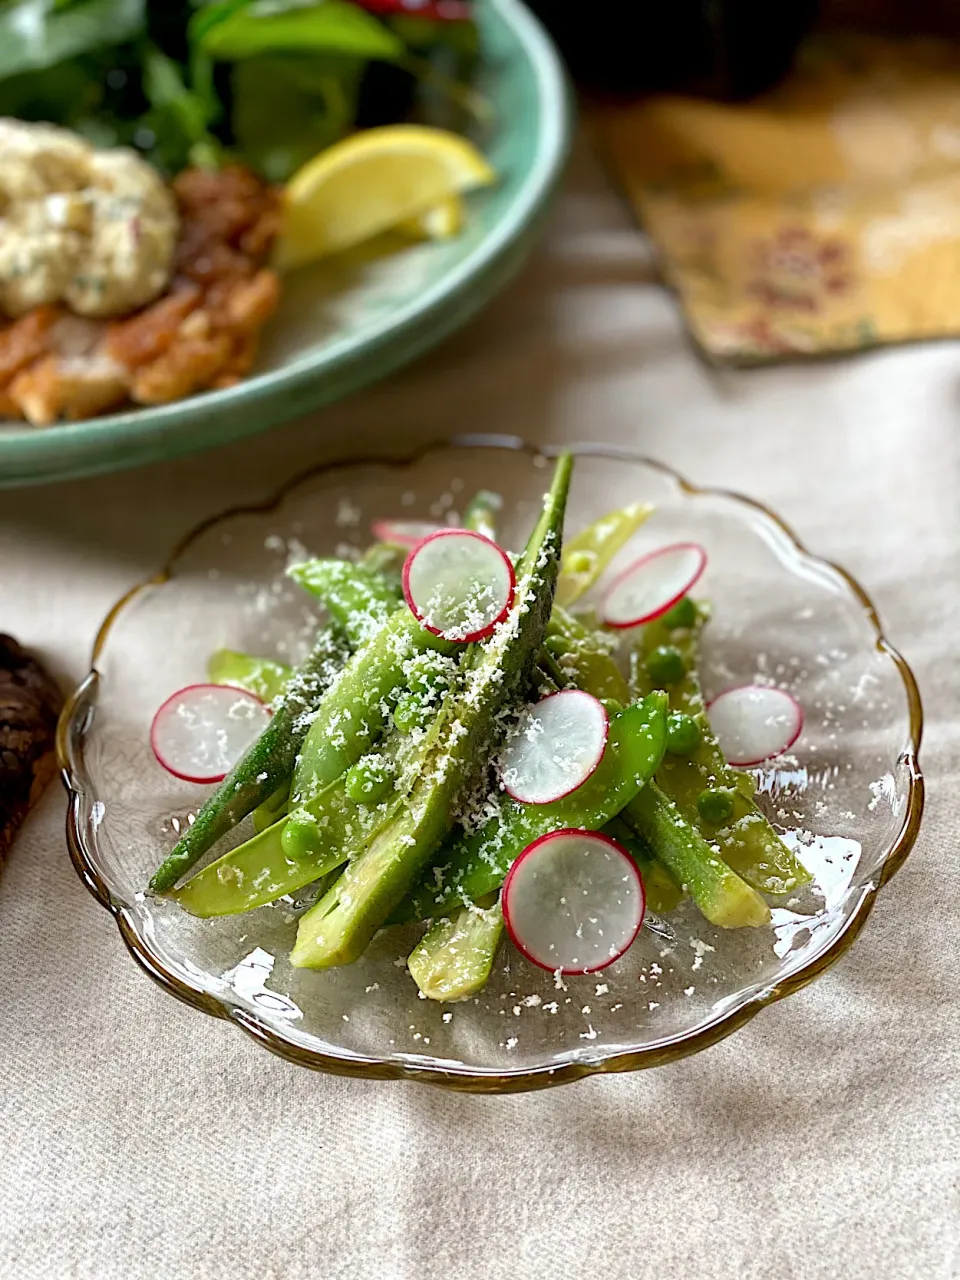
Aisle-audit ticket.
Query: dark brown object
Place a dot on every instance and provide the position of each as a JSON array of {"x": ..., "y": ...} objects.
[{"x": 30, "y": 703}]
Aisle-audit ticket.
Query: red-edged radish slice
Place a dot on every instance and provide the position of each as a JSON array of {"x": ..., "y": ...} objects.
[
  {"x": 755, "y": 723},
  {"x": 652, "y": 585},
  {"x": 558, "y": 744},
  {"x": 201, "y": 731},
  {"x": 459, "y": 584},
  {"x": 573, "y": 901},
  {"x": 404, "y": 533}
]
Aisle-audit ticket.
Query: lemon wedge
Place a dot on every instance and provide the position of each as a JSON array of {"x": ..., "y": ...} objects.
[
  {"x": 371, "y": 182},
  {"x": 442, "y": 222}
]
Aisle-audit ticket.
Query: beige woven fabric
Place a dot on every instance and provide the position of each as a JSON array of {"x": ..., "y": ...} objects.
[{"x": 140, "y": 1141}]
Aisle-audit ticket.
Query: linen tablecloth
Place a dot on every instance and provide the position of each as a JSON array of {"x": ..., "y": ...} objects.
[{"x": 139, "y": 1139}]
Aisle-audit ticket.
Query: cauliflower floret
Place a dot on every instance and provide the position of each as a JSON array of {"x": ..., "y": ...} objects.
[{"x": 94, "y": 229}]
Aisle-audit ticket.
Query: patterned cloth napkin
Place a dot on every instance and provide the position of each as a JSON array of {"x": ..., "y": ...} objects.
[{"x": 821, "y": 217}]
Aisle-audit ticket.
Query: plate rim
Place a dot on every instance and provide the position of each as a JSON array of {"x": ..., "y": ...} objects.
[
  {"x": 32, "y": 454},
  {"x": 77, "y": 712}
]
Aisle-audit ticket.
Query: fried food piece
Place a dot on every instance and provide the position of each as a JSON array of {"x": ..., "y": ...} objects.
[
  {"x": 30, "y": 703},
  {"x": 147, "y": 335},
  {"x": 25, "y": 341},
  {"x": 190, "y": 365},
  {"x": 71, "y": 387}
]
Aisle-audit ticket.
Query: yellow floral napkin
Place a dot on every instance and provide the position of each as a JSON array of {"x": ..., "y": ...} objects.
[{"x": 821, "y": 217}]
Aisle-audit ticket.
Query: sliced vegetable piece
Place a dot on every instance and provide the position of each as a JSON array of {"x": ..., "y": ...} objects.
[
  {"x": 652, "y": 585},
  {"x": 755, "y": 722},
  {"x": 351, "y": 717},
  {"x": 556, "y": 747},
  {"x": 662, "y": 892},
  {"x": 201, "y": 731},
  {"x": 725, "y": 899},
  {"x": 265, "y": 768},
  {"x": 573, "y": 901},
  {"x": 338, "y": 928},
  {"x": 481, "y": 513},
  {"x": 586, "y": 556},
  {"x": 459, "y": 584},
  {"x": 454, "y": 957},
  {"x": 404, "y": 533},
  {"x": 260, "y": 676}
]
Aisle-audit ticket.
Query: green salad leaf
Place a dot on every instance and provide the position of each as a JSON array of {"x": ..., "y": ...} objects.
[
  {"x": 230, "y": 32},
  {"x": 41, "y": 33},
  {"x": 313, "y": 103}
]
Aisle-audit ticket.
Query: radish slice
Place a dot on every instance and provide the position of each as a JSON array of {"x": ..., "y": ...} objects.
[
  {"x": 459, "y": 584},
  {"x": 573, "y": 901},
  {"x": 201, "y": 732},
  {"x": 405, "y": 533},
  {"x": 755, "y": 723},
  {"x": 558, "y": 744},
  {"x": 652, "y": 585}
]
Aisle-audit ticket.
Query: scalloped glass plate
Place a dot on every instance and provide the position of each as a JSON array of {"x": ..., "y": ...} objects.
[
  {"x": 849, "y": 795},
  {"x": 345, "y": 323}
]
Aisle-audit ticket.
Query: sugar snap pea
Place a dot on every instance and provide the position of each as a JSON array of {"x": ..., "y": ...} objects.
[
  {"x": 481, "y": 513},
  {"x": 587, "y": 555},
  {"x": 453, "y": 959},
  {"x": 357, "y": 599}
]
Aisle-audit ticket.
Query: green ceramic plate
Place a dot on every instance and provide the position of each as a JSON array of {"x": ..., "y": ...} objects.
[{"x": 346, "y": 324}]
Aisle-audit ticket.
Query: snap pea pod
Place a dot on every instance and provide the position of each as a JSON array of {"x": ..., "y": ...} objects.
[
  {"x": 746, "y": 840},
  {"x": 661, "y": 891},
  {"x": 272, "y": 810},
  {"x": 585, "y": 657},
  {"x": 357, "y": 599},
  {"x": 352, "y": 715},
  {"x": 454, "y": 957},
  {"x": 481, "y": 513},
  {"x": 385, "y": 559},
  {"x": 474, "y": 865},
  {"x": 587, "y": 555},
  {"x": 344, "y": 817},
  {"x": 259, "y": 676},
  {"x": 262, "y": 870},
  {"x": 338, "y": 928},
  {"x": 721, "y": 895},
  {"x": 265, "y": 766}
]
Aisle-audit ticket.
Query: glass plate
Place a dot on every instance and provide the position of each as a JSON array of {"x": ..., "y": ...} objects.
[
  {"x": 849, "y": 795},
  {"x": 346, "y": 323}
]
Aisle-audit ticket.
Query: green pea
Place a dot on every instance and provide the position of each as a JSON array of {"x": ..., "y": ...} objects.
[
  {"x": 683, "y": 614},
  {"x": 300, "y": 838},
  {"x": 369, "y": 780},
  {"x": 580, "y": 562},
  {"x": 665, "y": 665},
  {"x": 683, "y": 734},
  {"x": 715, "y": 805},
  {"x": 408, "y": 713}
]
